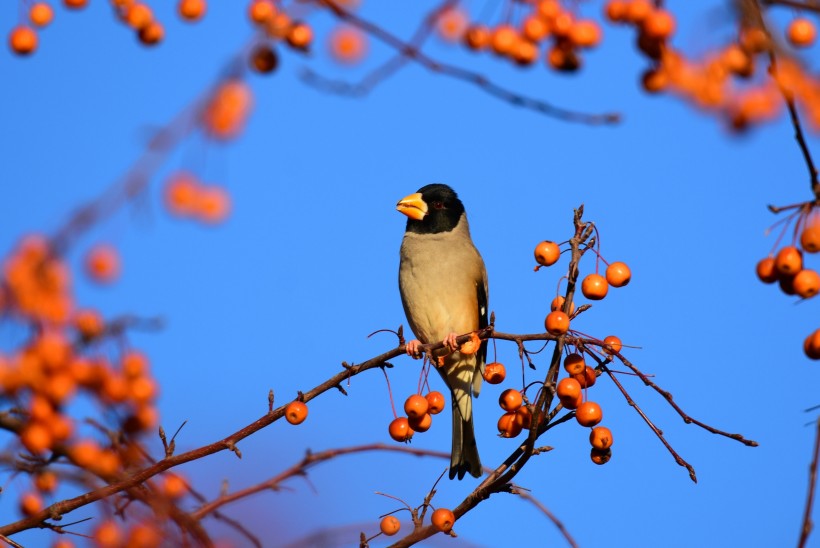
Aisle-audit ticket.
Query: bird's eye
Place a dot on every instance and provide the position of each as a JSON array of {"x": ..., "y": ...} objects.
[{"x": 438, "y": 205}]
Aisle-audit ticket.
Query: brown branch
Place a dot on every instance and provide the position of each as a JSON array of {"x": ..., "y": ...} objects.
[
  {"x": 808, "y": 5},
  {"x": 410, "y": 52},
  {"x": 788, "y": 96},
  {"x": 558, "y": 523},
  {"x": 651, "y": 425},
  {"x": 686, "y": 418},
  {"x": 301, "y": 468},
  {"x": 808, "y": 525}
]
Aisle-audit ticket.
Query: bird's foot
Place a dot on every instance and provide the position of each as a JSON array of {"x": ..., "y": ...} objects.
[
  {"x": 413, "y": 348},
  {"x": 450, "y": 341}
]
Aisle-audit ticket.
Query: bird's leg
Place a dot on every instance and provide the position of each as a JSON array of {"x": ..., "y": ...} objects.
[
  {"x": 450, "y": 341},
  {"x": 412, "y": 348}
]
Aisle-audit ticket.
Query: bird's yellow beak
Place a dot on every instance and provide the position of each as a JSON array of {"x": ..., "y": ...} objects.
[{"x": 413, "y": 206}]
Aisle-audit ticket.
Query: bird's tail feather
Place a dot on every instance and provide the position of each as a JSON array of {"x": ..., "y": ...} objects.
[{"x": 464, "y": 456}]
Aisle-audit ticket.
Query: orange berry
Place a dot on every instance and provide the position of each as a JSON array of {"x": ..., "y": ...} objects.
[
  {"x": 46, "y": 481},
  {"x": 416, "y": 406},
  {"x": 547, "y": 253},
  {"x": 477, "y": 37},
  {"x": 754, "y": 39},
  {"x": 618, "y": 274},
  {"x": 789, "y": 261},
  {"x": 811, "y": 345},
  {"x": 612, "y": 344},
  {"x": 180, "y": 193},
  {"x": 588, "y": 414},
  {"x": 60, "y": 426},
  {"x": 420, "y": 424},
  {"x": 638, "y": 10},
  {"x": 144, "y": 535},
  {"x": 594, "y": 287},
  {"x": 75, "y": 4},
  {"x": 278, "y": 26},
  {"x": 600, "y": 438},
  {"x": 191, "y": 10},
  {"x": 659, "y": 25},
  {"x": 173, "y": 486},
  {"x": 138, "y": 16},
  {"x": 766, "y": 270},
  {"x": 568, "y": 390},
  {"x": 143, "y": 390},
  {"x": 616, "y": 10},
  {"x": 213, "y": 204},
  {"x": 299, "y": 35},
  {"x": 557, "y": 322},
  {"x": 40, "y": 408},
  {"x": 600, "y": 457},
  {"x": 85, "y": 453},
  {"x": 561, "y": 26},
  {"x": 786, "y": 284},
  {"x": 107, "y": 463},
  {"x": 508, "y": 426},
  {"x": 810, "y": 237},
  {"x": 574, "y": 364},
  {"x": 23, "y": 40},
  {"x": 534, "y": 29},
  {"x": 587, "y": 378},
  {"x": 30, "y": 504},
  {"x": 40, "y": 14},
  {"x": 36, "y": 438},
  {"x": 524, "y": 52},
  {"x": 503, "y": 39},
  {"x": 400, "y": 429},
  {"x": 348, "y": 45},
  {"x": 435, "y": 402},
  {"x": 228, "y": 108},
  {"x": 558, "y": 304},
  {"x": 134, "y": 364},
  {"x": 264, "y": 59},
  {"x": 443, "y": 519},
  {"x": 296, "y": 412},
  {"x": 451, "y": 24},
  {"x": 737, "y": 61},
  {"x": 108, "y": 535},
  {"x": 510, "y": 399},
  {"x": 260, "y": 11},
  {"x": 151, "y": 34},
  {"x": 801, "y": 32},
  {"x": 102, "y": 263},
  {"x": 390, "y": 525},
  {"x": 495, "y": 373},
  {"x": 563, "y": 58},
  {"x": 806, "y": 283},
  {"x": 585, "y": 34},
  {"x": 523, "y": 417},
  {"x": 549, "y": 9},
  {"x": 89, "y": 324}
]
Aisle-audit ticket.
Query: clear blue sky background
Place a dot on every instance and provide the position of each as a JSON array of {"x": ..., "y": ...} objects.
[{"x": 306, "y": 267}]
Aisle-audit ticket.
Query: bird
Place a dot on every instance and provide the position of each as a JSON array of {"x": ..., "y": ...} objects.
[{"x": 443, "y": 286}]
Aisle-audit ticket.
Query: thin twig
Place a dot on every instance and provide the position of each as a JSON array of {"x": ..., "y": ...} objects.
[{"x": 808, "y": 525}]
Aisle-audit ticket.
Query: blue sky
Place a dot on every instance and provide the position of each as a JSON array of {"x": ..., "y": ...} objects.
[{"x": 307, "y": 264}]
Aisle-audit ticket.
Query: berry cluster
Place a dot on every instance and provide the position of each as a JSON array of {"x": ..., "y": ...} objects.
[
  {"x": 419, "y": 410},
  {"x": 572, "y": 390},
  {"x": 785, "y": 266},
  {"x": 547, "y": 25},
  {"x": 68, "y": 357}
]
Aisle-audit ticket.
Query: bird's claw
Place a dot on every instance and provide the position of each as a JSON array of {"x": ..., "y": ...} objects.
[
  {"x": 450, "y": 341},
  {"x": 413, "y": 348}
]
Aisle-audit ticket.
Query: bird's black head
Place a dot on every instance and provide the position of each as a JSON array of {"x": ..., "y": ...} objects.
[{"x": 434, "y": 208}]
